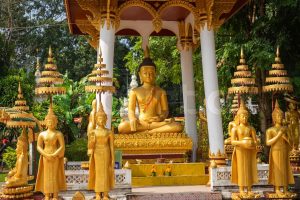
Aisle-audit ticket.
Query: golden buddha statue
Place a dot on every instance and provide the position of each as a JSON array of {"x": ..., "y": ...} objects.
[
  {"x": 51, "y": 174},
  {"x": 18, "y": 176},
  {"x": 152, "y": 103},
  {"x": 101, "y": 162},
  {"x": 280, "y": 173},
  {"x": 231, "y": 125},
  {"x": 244, "y": 164},
  {"x": 292, "y": 118}
]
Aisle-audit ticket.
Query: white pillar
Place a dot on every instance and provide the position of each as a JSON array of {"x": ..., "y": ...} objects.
[
  {"x": 213, "y": 111},
  {"x": 188, "y": 90},
  {"x": 107, "y": 44}
]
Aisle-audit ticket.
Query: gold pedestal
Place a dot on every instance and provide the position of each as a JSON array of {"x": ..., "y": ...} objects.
[
  {"x": 295, "y": 160},
  {"x": 288, "y": 195},
  {"x": 239, "y": 196},
  {"x": 156, "y": 147},
  {"x": 17, "y": 192}
]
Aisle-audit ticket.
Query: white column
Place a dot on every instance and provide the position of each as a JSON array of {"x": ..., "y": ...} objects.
[
  {"x": 107, "y": 43},
  {"x": 213, "y": 111},
  {"x": 188, "y": 90}
]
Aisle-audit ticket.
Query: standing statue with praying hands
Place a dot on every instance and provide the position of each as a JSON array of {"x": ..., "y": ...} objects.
[
  {"x": 280, "y": 173},
  {"x": 51, "y": 173}
]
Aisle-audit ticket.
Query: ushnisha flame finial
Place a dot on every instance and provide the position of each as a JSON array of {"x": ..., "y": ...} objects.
[
  {"x": 146, "y": 52},
  {"x": 277, "y": 58},
  {"x": 101, "y": 112},
  {"x": 243, "y": 108}
]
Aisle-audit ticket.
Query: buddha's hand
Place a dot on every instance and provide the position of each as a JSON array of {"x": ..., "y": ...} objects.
[
  {"x": 133, "y": 124},
  {"x": 154, "y": 119}
]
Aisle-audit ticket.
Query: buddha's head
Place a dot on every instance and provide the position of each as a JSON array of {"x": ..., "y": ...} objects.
[
  {"x": 101, "y": 117},
  {"x": 147, "y": 69},
  {"x": 277, "y": 114},
  {"x": 22, "y": 144},
  {"x": 51, "y": 119},
  {"x": 243, "y": 113}
]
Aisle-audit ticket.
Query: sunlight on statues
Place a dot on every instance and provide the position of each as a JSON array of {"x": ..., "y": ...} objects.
[
  {"x": 51, "y": 175},
  {"x": 152, "y": 103},
  {"x": 292, "y": 118},
  {"x": 244, "y": 165},
  {"x": 280, "y": 173},
  {"x": 18, "y": 176},
  {"x": 101, "y": 152}
]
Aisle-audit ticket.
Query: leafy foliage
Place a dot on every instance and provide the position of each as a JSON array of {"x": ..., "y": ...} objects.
[
  {"x": 77, "y": 150},
  {"x": 10, "y": 157}
]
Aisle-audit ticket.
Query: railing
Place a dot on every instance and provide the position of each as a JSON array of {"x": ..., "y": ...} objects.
[{"x": 77, "y": 178}]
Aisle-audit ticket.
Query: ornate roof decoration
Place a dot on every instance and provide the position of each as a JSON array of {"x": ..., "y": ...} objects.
[
  {"x": 243, "y": 82},
  {"x": 278, "y": 80}
]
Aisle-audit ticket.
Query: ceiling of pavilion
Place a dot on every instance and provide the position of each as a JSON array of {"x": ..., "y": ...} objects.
[{"x": 168, "y": 10}]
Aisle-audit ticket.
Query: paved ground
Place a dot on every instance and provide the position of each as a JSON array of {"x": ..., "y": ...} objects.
[{"x": 171, "y": 189}]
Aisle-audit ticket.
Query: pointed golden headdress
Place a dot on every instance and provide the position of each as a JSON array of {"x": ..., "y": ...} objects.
[
  {"x": 276, "y": 110},
  {"x": 101, "y": 112},
  {"x": 242, "y": 109},
  {"x": 50, "y": 115}
]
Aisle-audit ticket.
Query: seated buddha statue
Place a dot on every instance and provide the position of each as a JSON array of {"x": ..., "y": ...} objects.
[
  {"x": 152, "y": 104},
  {"x": 18, "y": 175}
]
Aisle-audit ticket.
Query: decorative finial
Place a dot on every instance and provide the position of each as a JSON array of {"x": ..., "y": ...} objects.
[
  {"x": 38, "y": 66},
  {"x": 50, "y": 52},
  {"x": 50, "y": 55},
  {"x": 242, "y": 59},
  {"x": 20, "y": 95},
  {"x": 99, "y": 59},
  {"x": 277, "y": 58},
  {"x": 101, "y": 111},
  {"x": 146, "y": 52}
]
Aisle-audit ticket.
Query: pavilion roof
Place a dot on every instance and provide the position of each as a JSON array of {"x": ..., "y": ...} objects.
[{"x": 79, "y": 12}]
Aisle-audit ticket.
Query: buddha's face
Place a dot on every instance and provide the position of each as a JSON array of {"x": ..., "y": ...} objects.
[
  {"x": 147, "y": 74},
  {"x": 101, "y": 120},
  {"x": 51, "y": 123},
  {"x": 244, "y": 118},
  {"x": 278, "y": 118}
]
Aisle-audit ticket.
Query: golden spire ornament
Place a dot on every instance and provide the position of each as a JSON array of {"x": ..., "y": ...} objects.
[
  {"x": 278, "y": 81},
  {"x": 19, "y": 118},
  {"x": 243, "y": 82},
  {"x": 20, "y": 103},
  {"x": 101, "y": 83},
  {"x": 47, "y": 84}
]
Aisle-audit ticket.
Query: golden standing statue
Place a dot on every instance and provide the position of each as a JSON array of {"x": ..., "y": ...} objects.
[
  {"x": 292, "y": 118},
  {"x": 280, "y": 173},
  {"x": 152, "y": 103},
  {"x": 51, "y": 174},
  {"x": 244, "y": 164},
  {"x": 101, "y": 162},
  {"x": 18, "y": 176}
]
